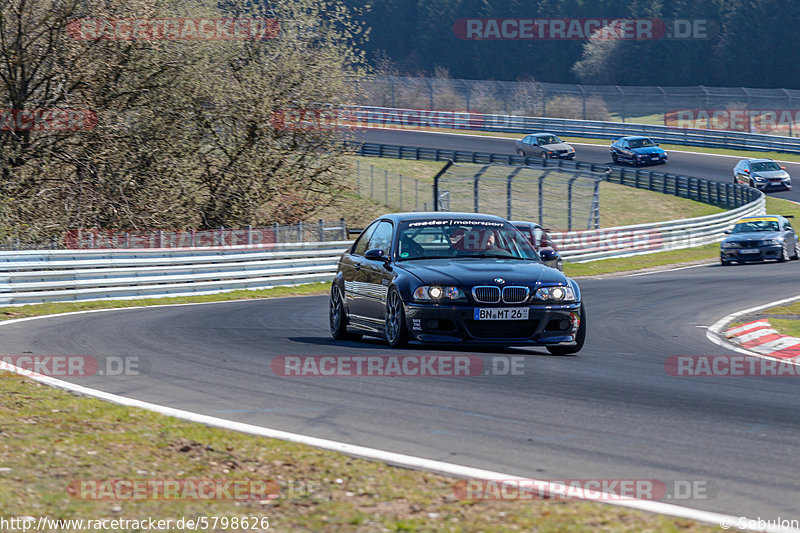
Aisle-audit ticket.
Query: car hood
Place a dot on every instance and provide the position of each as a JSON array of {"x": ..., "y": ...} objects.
[
  {"x": 557, "y": 146},
  {"x": 754, "y": 236},
  {"x": 466, "y": 272},
  {"x": 772, "y": 174},
  {"x": 647, "y": 150}
]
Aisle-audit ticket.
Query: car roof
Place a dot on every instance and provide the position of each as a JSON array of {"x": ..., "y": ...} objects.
[
  {"x": 402, "y": 217},
  {"x": 538, "y": 133},
  {"x": 523, "y": 223},
  {"x": 632, "y": 137},
  {"x": 760, "y": 160}
]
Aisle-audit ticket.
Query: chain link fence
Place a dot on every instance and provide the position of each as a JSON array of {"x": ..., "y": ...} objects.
[
  {"x": 391, "y": 189},
  {"x": 773, "y": 111},
  {"x": 557, "y": 199}
]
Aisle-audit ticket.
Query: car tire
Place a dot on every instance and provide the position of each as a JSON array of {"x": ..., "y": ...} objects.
[
  {"x": 796, "y": 255},
  {"x": 520, "y": 152},
  {"x": 725, "y": 263},
  {"x": 543, "y": 155},
  {"x": 784, "y": 255},
  {"x": 395, "y": 330},
  {"x": 337, "y": 316},
  {"x": 580, "y": 338},
  {"x": 614, "y": 158}
]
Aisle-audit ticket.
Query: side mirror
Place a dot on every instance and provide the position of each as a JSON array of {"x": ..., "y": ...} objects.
[
  {"x": 727, "y": 232},
  {"x": 376, "y": 254},
  {"x": 551, "y": 258}
]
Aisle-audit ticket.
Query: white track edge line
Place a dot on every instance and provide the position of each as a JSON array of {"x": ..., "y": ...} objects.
[
  {"x": 410, "y": 461},
  {"x": 715, "y": 333}
]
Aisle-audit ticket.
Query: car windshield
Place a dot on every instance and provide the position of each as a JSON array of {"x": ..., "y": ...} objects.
[
  {"x": 437, "y": 238},
  {"x": 640, "y": 143},
  {"x": 548, "y": 139},
  {"x": 764, "y": 166},
  {"x": 755, "y": 225}
]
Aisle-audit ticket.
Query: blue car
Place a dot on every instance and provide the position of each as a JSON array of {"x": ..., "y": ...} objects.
[{"x": 637, "y": 151}]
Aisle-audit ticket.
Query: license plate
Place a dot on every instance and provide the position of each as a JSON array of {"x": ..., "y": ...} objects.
[
  {"x": 502, "y": 313},
  {"x": 749, "y": 251},
  {"x": 654, "y": 157}
]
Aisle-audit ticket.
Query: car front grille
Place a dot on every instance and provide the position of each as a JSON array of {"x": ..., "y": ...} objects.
[
  {"x": 501, "y": 329},
  {"x": 486, "y": 294},
  {"x": 515, "y": 295},
  {"x": 749, "y": 244}
]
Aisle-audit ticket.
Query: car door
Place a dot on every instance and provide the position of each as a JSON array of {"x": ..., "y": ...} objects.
[
  {"x": 353, "y": 274},
  {"x": 789, "y": 237},
  {"x": 377, "y": 273}
]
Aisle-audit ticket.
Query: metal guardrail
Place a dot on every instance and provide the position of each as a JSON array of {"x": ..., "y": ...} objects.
[
  {"x": 79, "y": 275},
  {"x": 419, "y": 119},
  {"x": 728, "y": 195},
  {"x": 625, "y": 241}
]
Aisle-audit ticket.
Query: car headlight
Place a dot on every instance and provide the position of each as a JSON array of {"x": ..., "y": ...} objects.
[
  {"x": 730, "y": 245},
  {"x": 559, "y": 293},
  {"x": 758, "y": 178},
  {"x": 773, "y": 242},
  {"x": 438, "y": 293}
]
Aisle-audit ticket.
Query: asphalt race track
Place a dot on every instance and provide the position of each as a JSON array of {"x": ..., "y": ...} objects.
[
  {"x": 611, "y": 412},
  {"x": 685, "y": 163}
]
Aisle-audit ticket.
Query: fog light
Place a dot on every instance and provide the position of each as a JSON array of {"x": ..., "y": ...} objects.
[
  {"x": 433, "y": 324},
  {"x": 564, "y": 324}
]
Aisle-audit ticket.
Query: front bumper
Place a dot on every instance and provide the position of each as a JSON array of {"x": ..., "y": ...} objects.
[
  {"x": 759, "y": 253},
  {"x": 767, "y": 185},
  {"x": 547, "y": 325},
  {"x": 650, "y": 160}
]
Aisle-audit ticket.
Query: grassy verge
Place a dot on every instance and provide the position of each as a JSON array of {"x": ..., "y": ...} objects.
[
  {"x": 52, "y": 440},
  {"x": 639, "y": 262}
]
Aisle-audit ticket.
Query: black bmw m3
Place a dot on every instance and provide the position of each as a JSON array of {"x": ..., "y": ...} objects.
[{"x": 453, "y": 278}]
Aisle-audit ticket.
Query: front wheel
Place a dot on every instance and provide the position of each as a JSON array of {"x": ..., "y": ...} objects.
[
  {"x": 580, "y": 338},
  {"x": 396, "y": 329},
  {"x": 796, "y": 251},
  {"x": 784, "y": 255}
]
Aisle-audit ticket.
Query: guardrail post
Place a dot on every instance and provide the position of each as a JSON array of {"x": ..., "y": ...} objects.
[
  {"x": 275, "y": 229},
  {"x": 321, "y": 231},
  {"x": 249, "y": 229},
  {"x": 436, "y": 184},
  {"x": 570, "y": 183},
  {"x": 343, "y": 227},
  {"x": 160, "y": 239},
  {"x": 127, "y": 239},
  {"x": 541, "y": 202},
  {"x": 509, "y": 181},
  {"x": 300, "y": 236}
]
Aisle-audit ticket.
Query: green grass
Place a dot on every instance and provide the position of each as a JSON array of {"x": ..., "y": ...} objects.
[
  {"x": 620, "y": 205},
  {"x": 708, "y": 252},
  {"x": 51, "y": 439},
  {"x": 24, "y": 311},
  {"x": 787, "y": 326}
]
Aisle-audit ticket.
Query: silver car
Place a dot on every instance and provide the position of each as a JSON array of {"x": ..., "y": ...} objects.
[
  {"x": 546, "y": 146},
  {"x": 762, "y": 174}
]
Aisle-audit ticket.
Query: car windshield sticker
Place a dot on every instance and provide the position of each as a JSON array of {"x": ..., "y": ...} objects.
[
  {"x": 451, "y": 222},
  {"x": 758, "y": 219}
]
